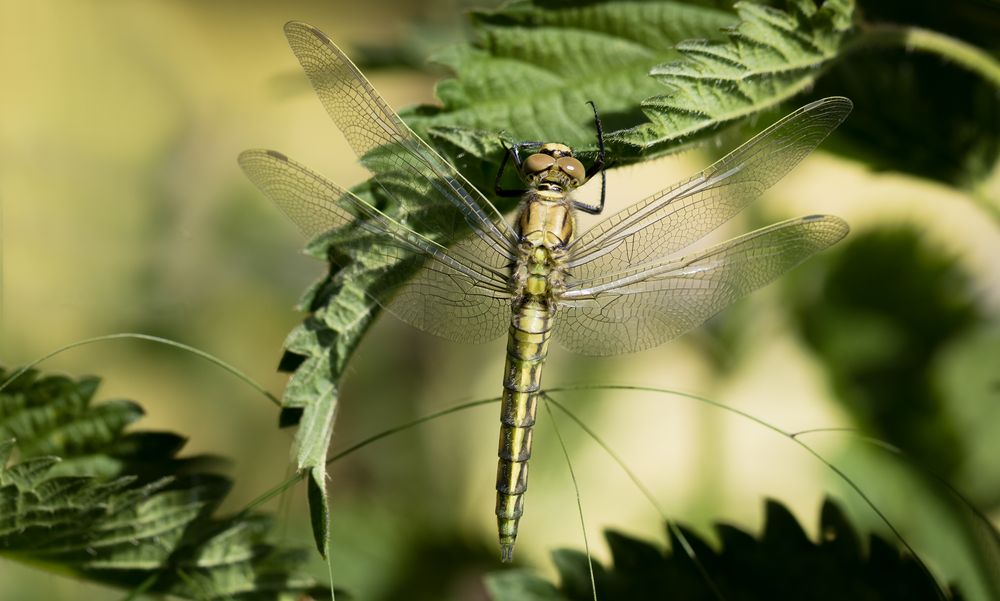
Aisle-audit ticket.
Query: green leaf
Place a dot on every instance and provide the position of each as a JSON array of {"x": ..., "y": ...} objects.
[
  {"x": 770, "y": 56},
  {"x": 319, "y": 508},
  {"x": 85, "y": 497},
  {"x": 944, "y": 122},
  {"x": 535, "y": 64},
  {"x": 780, "y": 563},
  {"x": 319, "y": 348}
]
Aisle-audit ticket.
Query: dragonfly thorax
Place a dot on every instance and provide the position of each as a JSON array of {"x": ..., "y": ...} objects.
[
  {"x": 546, "y": 220},
  {"x": 546, "y": 228}
]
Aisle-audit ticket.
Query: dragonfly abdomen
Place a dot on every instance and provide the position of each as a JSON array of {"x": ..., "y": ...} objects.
[{"x": 527, "y": 346}]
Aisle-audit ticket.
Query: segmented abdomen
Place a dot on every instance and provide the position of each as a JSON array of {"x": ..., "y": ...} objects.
[{"x": 527, "y": 346}]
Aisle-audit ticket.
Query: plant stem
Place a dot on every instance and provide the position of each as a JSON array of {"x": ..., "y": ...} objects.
[{"x": 963, "y": 54}]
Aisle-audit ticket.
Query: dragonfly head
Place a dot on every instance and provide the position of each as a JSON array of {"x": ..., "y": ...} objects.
[{"x": 554, "y": 167}]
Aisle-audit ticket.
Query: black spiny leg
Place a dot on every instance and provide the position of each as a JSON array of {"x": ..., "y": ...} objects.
[
  {"x": 598, "y": 166},
  {"x": 497, "y": 186}
]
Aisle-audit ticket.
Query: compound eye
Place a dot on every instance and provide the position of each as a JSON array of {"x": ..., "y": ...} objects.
[
  {"x": 573, "y": 168},
  {"x": 537, "y": 163}
]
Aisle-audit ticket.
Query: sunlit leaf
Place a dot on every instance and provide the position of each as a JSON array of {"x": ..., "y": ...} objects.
[
  {"x": 770, "y": 56},
  {"x": 535, "y": 64}
]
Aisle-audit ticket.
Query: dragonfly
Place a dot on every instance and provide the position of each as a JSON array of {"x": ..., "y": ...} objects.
[{"x": 627, "y": 284}]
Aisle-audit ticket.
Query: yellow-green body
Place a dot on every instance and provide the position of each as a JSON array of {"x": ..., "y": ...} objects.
[{"x": 545, "y": 227}]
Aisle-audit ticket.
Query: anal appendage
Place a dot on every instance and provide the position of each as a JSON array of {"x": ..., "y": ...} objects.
[{"x": 507, "y": 552}]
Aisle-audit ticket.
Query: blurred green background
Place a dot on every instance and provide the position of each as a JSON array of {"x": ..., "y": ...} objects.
[{"x": 123, "y": 210}]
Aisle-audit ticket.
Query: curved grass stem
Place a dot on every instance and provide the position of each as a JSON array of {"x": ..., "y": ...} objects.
[
  {"x": 576, "y": 490},
  {"x": 301, "y": 474},
  {"x": 150, "y": 338},
  {"x": 793, "y": 436},
  {"x": 910, "y": 38},
  {"x": 877, "y": 36},
  {"x": 789, "y": 435},
  {"x": 646, "y": 492},
  {"x": 985, "y": 539}
]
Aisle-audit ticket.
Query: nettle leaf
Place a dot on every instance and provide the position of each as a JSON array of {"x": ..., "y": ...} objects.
[
  {"x": 317, "y": 350},
  {"x": 79, "y": 494},
  {"x": 770, "y": 56},
  {"x": 535, "y": 64},
  {"x": 779, "y": 563},
  {"x": 532, "y": 68}
]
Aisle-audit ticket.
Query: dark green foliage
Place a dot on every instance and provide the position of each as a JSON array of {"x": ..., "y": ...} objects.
[
  {"x": 781, "y": 563},
  {"x": 967, "y": 376},
  {"x": 898, "y": 327},
  {"x": 879, "y": 310},
  {"x": 79, "y": 494},
  {"x": 442, "y": 567},
  {"x": 947, "y": 130},
  {"x": 976, "y": 21}
]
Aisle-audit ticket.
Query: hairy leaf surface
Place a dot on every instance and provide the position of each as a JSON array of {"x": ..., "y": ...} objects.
[{"x": 79, "y": 493}]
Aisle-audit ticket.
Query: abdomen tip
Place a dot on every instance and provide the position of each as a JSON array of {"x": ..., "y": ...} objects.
[{"x": 507, "y": 552}]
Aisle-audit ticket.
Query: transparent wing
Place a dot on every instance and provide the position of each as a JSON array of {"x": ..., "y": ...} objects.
[
  {"x": 671, "y": 219},
  {"x": 644, "y": 306},
  {"x": 449, "y": 205},
  {"x": 461, "y": 293}
]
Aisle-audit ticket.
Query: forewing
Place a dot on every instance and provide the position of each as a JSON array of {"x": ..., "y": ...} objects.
[
  {"x": 671, "y": 219},
  {"x": 645, "y": 306},
  {"x": 400, "y": 161},
  {"x": 461, "y": 293}
]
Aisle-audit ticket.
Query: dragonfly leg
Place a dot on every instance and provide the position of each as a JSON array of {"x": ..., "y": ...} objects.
[
  {"x": 497, "y": 186},
  {"x": 557, "y": 275},
  {"x": 597, "y": 167},
  {"x": 511, "y": 152}
]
